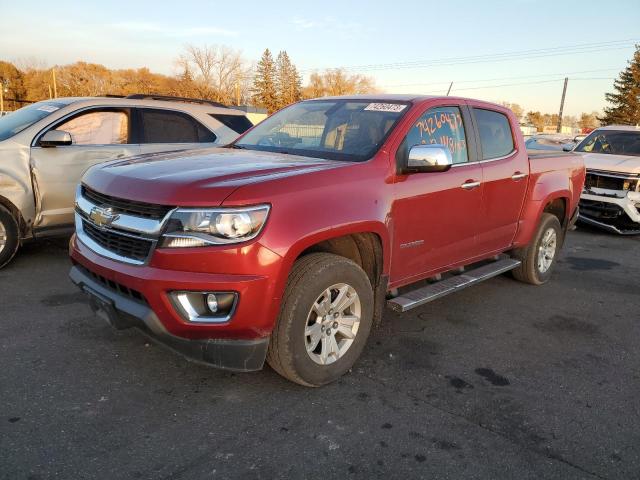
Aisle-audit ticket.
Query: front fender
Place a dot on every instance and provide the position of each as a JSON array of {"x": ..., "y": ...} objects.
[
  {"x": 311, "y": 208},
  {"x": 16, "y": 190}
]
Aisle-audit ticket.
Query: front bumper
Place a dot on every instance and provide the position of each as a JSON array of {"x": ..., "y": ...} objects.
[
  {"x": 612, "y": 210},
  {"x": 139, "y": 296},
  {"x": 122, "y": 312}
]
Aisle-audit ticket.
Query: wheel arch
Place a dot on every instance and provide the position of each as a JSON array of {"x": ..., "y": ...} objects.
[
  {"x": 555, "y": 203},
  {"x": 356, "y": 241},
  {"x": 366, "y": 243},
  {"x": 558, "y": 208},
  {"x": 15, "y": 212}
]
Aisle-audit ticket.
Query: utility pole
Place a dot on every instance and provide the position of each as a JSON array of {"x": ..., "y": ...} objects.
[
  {"x": 564, "y": 93},
  {"x": 449, "y": 91},
  {"x": 238, "y": 92},
  {"x": 50, "y": 95},
  {"x": 55, "y": 88}
]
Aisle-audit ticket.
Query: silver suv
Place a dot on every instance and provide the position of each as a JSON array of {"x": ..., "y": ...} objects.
[{"x": 46, "y": 147}]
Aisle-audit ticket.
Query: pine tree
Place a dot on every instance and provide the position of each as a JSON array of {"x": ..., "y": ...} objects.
[
  {"x": 288, "y": 81},
  {"x": 625, "y": 102},
  {"x": 296, "y": 85},
  {"x": 264, "y": 83}
]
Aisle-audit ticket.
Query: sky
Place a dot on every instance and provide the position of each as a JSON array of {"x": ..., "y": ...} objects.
[{"x": 516, "y": 51}]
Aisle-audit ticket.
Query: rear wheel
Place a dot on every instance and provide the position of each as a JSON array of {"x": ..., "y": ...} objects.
[
  {"x": 324, "y": 322},
  {"x": 9, "y": 236},
  {"x": 540, "y": 256}
]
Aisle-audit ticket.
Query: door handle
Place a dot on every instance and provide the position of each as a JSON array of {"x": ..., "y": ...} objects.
[
  {"x": 470, "y": 185},
  {"x": 518, "y": 176}
]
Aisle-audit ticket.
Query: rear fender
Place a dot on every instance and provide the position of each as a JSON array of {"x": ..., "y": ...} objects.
[{"x": 548, "y": 187}]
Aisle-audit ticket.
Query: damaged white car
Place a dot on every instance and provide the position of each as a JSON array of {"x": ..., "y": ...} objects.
[{"x": 611, "y": 195}]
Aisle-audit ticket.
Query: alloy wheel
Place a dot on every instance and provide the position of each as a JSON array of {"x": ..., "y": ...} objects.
[
  {"x": 3, "y": 237},
  {"x": 332, "y": 323},
  {"x": 547, "y": 250}
]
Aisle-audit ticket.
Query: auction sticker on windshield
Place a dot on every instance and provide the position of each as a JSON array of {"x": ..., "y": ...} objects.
[{"x": 385, "y": 107}]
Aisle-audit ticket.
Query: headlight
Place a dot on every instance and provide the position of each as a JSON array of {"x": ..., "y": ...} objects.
[{"x": 195, "y": 227}]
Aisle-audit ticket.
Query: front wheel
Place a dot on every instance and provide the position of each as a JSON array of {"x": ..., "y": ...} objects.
[
  {"x": 540, "y": 256},
  {"x": 324, "y": 322},
  {"x": 9, "y": 236}
]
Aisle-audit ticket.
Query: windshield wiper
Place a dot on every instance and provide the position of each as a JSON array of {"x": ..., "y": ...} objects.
[{"x": 237, "y": 147}]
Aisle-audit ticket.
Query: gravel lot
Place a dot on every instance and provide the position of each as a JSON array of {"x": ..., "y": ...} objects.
[{"x": 503, "y": 380}]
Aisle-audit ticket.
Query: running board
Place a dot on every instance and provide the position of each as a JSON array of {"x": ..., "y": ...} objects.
[{"x": 429, "y": 293}]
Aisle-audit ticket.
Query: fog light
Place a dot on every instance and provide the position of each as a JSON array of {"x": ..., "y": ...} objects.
[
  {"x": 212, "y": 302},
  {"x": 205, "y": 307}
]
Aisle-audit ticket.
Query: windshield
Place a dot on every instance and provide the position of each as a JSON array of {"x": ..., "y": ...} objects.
[
  {"x": 351, "y": 130},
  {"x": 17, "y": 121},
  {"x": 613, "y": 142}
]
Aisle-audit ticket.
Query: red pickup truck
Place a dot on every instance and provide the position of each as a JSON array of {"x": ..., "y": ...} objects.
[{"x": 287, "y": 244}]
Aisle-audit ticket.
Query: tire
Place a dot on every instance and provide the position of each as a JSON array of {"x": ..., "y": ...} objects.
[
  {"x": 9, "y": 236},
  {"x": 302, "y": 320},
  {"x": 546, "y": 243}
]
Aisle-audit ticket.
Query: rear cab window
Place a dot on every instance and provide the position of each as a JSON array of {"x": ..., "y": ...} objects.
[
  {"x": 494, "y": 129},
  {"x": 165, "y": 126}
]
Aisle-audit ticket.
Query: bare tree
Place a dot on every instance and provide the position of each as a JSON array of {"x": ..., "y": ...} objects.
[
  {"x": 588, "y": 121},
  {"x": 515, "y": 108},
  {"x": 218, "y": 72},
  {"x": 338, "y": 82},
  {"x": 30, "y": 63},
  {"x": 82, "y": 79}
]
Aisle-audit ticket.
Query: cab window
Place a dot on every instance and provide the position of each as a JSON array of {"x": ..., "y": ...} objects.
[
  {"x": 98, "y": 128},
  {"x": 496, "y": 138},
  {"x": 444, "y": 126}
]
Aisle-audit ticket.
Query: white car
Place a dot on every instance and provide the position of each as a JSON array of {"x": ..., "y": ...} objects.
[
  {"x": 611, "y": 195},
  {"x": 45, "y": 148}
]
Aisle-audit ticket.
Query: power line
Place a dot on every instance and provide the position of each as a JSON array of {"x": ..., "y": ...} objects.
[
  {"x": 538, "y": 82},
  {"x": 575, "y": 49},
  {"x": 445, "y": 82}
]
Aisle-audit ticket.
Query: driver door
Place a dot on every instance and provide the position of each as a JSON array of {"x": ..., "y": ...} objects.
[{"x": 98, "y": 135}]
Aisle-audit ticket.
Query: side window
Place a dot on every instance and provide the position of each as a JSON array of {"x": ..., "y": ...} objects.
[
  {"x": 237, "y": 123},
  {"x": 442, "y": 125},
  {"x": 163, "y": 126},
  {"x": 98, "y": 128},
  {"x": 496, "y": 138}
]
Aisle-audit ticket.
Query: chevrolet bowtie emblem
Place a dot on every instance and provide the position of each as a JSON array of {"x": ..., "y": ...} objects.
[{"x": 103, "y": 217}]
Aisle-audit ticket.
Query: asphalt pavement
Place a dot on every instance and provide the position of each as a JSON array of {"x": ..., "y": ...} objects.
[{"x": 502, "y": 380}]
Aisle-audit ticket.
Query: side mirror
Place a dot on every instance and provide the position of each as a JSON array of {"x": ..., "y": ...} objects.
[
  {"x": 56, "y": 138},
  {"x": 428, "y": 158},
  {"x": 568, "y": 147}
]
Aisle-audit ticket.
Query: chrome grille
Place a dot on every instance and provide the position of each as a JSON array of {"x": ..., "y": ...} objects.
[
  {"x": 123, "y": 245},
  {"x": 129, "y": 207}
]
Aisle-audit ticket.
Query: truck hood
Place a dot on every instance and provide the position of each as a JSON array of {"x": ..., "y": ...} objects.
[
  {"x": 203, "y": 177},
  {"x": 612, "y": 163}
]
